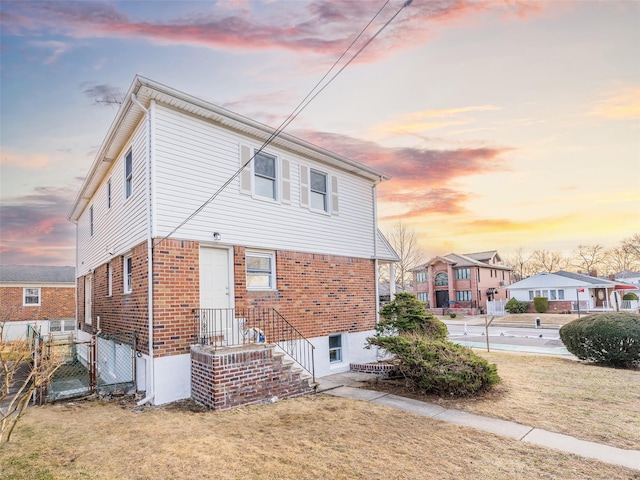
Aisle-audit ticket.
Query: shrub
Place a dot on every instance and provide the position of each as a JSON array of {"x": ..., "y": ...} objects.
[
  {"x": 541, "y": 304},
  {"x": 515, "y": 306},
  {"x": 407, "y": 314},
  {"x": 630, "y": 296},
  {"x": 438, "y": 366},
  {"x": 609, "y": 339},
  {"x": 453, "y": 315}
]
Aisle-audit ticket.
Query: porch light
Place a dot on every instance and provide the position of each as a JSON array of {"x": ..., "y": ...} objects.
[{"x": 216, "y": 236}]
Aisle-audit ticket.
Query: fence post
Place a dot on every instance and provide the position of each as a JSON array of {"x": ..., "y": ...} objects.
[{"x": 93, "y": 364}]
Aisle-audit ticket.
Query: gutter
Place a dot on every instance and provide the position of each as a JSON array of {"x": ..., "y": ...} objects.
[{"x": 150, "y": 387}]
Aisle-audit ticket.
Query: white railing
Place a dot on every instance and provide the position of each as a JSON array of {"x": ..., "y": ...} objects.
[{"x": 496, "y": 308}]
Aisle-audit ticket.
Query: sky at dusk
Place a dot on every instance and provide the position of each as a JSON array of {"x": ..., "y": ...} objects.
[{"x": 503, "y": 124}]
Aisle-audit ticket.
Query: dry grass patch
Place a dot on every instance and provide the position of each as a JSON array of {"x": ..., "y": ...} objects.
[
  {"x": 305, "y": 438},
  {"x": 561, "y": 395}
]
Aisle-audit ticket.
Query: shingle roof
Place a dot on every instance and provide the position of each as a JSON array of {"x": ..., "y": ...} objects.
[
  {"x": 37, "y": 274},
  {"x": 585, "y": 278}
]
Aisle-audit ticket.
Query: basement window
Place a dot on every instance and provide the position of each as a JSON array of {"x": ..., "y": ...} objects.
[{"x": 335, "y": 348}]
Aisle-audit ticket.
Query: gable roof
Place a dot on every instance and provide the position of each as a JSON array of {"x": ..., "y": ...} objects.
[
  {"x": 37, "y": 274},
  {"x": 144, "y": 90},
  {"x": 561, "y": 279},
  {"x": 467, "y": 260}
]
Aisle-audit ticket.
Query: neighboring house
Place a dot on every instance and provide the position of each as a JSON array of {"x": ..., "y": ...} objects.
[
  {"x": 294, "y": 233},
  {"x": 629, "y": 277},
  {"x": 465, "y": 281},
  {"x": 36, "y": 295},
  {"x": 568, "y": 292}
]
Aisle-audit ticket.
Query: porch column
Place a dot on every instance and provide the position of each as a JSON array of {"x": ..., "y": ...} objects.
[
  {"x": 430, "y": 280},
  {"x": 452, "y": 293},
  {"x": 392, "y": 281}
]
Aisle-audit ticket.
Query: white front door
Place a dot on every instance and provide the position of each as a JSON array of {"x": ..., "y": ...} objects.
[
  {"x": 87, "y": 299},
  {"x": 214, "y": 278}
]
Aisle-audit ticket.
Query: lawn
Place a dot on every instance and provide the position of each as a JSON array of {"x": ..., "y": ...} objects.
[
  {"x": 558, "y": 394},
  {"x": 307, "y": 438}
]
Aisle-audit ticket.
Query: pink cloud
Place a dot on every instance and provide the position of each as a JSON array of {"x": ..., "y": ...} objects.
[{"x": 323, "y": 27}]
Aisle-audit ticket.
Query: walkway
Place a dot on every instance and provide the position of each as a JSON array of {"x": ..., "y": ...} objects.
[{"x": 348, "y": 385}]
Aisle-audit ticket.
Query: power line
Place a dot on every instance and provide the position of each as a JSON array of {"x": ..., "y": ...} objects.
[{"x": 299, "y": 108}]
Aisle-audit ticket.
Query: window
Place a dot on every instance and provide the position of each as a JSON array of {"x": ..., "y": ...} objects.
[
  {"x": 552, "y": 295},
  {"x": 265, "y": 175},
  {"x": 31, "y": 297},
  {"x": 531, "y": 295},
  {"x": 62, "y": 326},
  {"x": 128, "y": 269},
  {"x": 560, "y": 294},
  {"x": 91, "y": 221},
  {"x": 260, "y": 270},
  {"x": 421, "y": 277},
  {"x": 335, "y": 348},
  {"x": 423, "y": 297},
  {"x": 108, "y": 194},
  {"x": 318, "y": 190},
  {"x": 109, "y": 280},
  {"x": 128, "y": 175},
  {"x": 463, "y": 273},
  {"x": 442, "y": 280},
  {"x": 463, "y": 296}
]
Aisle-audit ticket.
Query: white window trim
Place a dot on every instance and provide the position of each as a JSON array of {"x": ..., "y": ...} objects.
[
  {"x": 24, "y": 297},
  {"x": 340, "y": 349},
  {"x": 277, "y": 179},
  {"x": 272, "y": 276},
  {"x": 127, "y": 280},
  {"x": 109, "y": 280},
  {"x": 327, "y": 193},
  {"x": 128, "y": 178}
]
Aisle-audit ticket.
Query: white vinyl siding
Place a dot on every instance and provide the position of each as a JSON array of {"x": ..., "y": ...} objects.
[
  {"x": 124, "y": 225},
  {"x": 194, "y": 158}
]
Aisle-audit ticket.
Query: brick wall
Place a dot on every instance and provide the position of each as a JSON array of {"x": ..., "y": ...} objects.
[
  {"x": 229, "y": 378},
  {"x": 318, "y": 294},
  {"x": 55, "y": 303}
]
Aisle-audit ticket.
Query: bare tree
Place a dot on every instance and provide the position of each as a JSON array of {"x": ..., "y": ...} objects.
[
  {"x": 521, "y": 263},
  {"x": 589, "y": 258},
  {"x": 21, "y": 373},
  {"x": 620, "y": 259},
  {"x": 546, "y": 261},
  {"x": 632, "y": 246},
  {"x": 405, "y": 243}
]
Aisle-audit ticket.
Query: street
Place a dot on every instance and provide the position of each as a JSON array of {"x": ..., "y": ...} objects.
[{"x": 510, "y": 338}]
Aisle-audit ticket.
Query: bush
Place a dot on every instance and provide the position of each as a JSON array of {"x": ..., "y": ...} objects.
[
  {"x": 407, "y": 314},
  {"x": 439, "y": 366},
  {"x": 608, "y": 339},
  {"x": 541, "y": 304},
  {"x": 630, "y": 296},
  {"x": 515, "y": 306},
  {"x": 452, "y": 315}
]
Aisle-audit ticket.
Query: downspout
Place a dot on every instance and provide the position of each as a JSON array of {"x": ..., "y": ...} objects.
[
  {"x": 375, "y": 246},
  {"x": 150, "y": 370}
]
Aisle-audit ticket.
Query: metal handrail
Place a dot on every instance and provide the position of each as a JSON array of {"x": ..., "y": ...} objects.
[{"x": 229, "y": 327}]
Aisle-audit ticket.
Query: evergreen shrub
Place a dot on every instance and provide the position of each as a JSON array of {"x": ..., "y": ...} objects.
[{"x": 541, "y": 304}]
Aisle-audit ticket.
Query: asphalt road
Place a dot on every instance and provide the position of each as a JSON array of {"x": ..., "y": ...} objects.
[{"x": 519, "y": 339}]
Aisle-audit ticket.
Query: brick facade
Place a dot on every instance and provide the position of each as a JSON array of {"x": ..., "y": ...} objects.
[
  {"x": 232, "y": 377},
  {"x": 55, "y": 303},
  {"x": 318, "y": 294}
]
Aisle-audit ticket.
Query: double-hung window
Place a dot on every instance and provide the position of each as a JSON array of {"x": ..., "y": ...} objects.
[
  {"x": 265, "y": 175},
  {"x": 318, "y": 187},
  {"x": 128, "y": 175},
  {"x": 128, "y": 271},
  {"x": 261, "y": 272},
  {"x": 463, "y": 273},
  {"x": 335, "y": 348},
  {"x": 31, "y": 297},
  {"x": 463, "y": 296}
]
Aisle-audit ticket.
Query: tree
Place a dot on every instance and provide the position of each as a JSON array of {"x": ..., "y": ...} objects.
[
  {"x": 620, "y": 259},
  {"x": 589, "y": 258},
  {"x": 521, "y": 263},
  {"x": 632, "y": 246},
  {"x": 405, "y": 242},
  {"x": 22, "y": 370},
  {"x": 546, "y": 261}
]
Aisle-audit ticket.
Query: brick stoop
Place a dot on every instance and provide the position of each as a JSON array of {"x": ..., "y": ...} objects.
[
  {"x": 375, "y": 368},
  {"x": 231, "y": 377}
]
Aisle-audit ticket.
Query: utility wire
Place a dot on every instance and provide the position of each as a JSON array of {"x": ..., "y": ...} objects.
[{"x": 299, "y": 108}]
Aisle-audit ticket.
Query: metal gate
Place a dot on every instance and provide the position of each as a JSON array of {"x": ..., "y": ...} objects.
[{"x": 105, "y": 363}]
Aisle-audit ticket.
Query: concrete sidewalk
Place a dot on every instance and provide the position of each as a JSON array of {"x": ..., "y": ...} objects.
[{"x": 349, "y": 385}]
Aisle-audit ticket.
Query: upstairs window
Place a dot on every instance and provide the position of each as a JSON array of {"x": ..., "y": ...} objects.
[
  {"x": 265, "y": 175},
  {"x": 421, "y": 277},
  {"x": 128, "y": 175},
  {"x": 31, "y": 297},
  {"x": 463, "y": 273},
  {"x": 318, "y": 189},
  {"x": 442, "y": 280},
  {"x": 261, "y": 273}
]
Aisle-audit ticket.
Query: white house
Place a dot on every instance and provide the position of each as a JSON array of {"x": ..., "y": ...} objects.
[
  {"x": 568, "y": 291},
  {"x": 293, "y": 233}
]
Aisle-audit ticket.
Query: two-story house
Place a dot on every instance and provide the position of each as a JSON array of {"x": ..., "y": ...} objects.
[
  {"x": 37, "y": 295},
  {"x": 463, "y": 281},
  {"x": 183, "y": 216}
]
